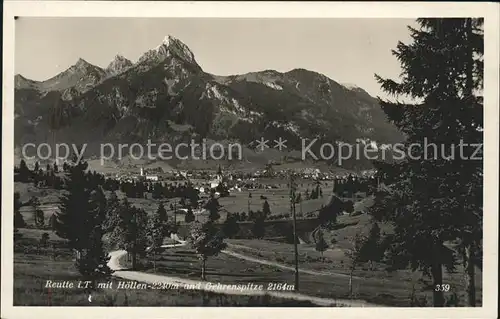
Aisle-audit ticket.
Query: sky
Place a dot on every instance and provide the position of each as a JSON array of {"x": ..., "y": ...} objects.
[{"x": 346, "y": 50}]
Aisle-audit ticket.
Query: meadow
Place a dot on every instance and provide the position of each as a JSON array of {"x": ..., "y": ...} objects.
[
  {"x": 34, "y": 265},
  {"x": 323, "y": 275}
]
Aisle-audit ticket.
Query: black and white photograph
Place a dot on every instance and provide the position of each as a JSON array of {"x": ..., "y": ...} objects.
[{"x": 236, "y": 160}]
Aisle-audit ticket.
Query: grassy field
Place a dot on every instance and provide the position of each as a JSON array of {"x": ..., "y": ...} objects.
[
  {"x": 182, "y": 262},
  {"x": 376, "y": 286},
  {"x": 396, "y": 284},
  {"x": 33, "y": 266},
  {"x": 225, "y": 269}
]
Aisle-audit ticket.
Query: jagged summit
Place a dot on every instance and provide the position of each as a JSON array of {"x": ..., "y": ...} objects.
[
  {"x": 119, "y": 64},
  {"x": 82, "y": 63},
  {"x": 167, "y": 40},
  {"x": 22, "y": 82},
  {"x": 169, "y": 46}
]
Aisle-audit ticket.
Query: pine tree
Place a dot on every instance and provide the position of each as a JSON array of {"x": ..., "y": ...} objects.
[
  {"x": 18, "y": 217},
  {"x": 432, "y": 197},
  {"x": 265, "y": 209},
  {"x": 328, "y": 214},
  {"x": 161, "y": 212},
  {"x": 82, "y": 213},
  {"x": 355, "y": 256},
  {"x": 321, "y": 244},
  {"x": 258, "y": 227},
  {"x": 39, "y": 218},
  {"x": 24, "y": 172},
  {"x": 207, "y": 241},
  {"x": 112, "y": 212},
  {"x": 130, "y": 232},
  {"x": 213, "y": 207},
  {"x": 52, "y": 222},
  {"x": 189, "y": 216},
  {"x": 156, "y": 232},
  {"x": 373, "y": 245},
  {"x": 230, "y": 226},
  {"x": 94, "y": 262},
  {"x": 73, "y": 221}
]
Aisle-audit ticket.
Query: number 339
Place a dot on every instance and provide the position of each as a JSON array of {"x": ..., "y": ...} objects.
[{"x": 443, "y": 287}]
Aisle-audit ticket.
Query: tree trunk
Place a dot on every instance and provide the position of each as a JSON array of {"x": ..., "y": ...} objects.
[
  {"x": 350, "y": 282},
  {"x": 470, "y": 284},
  {"x": 437, "y": 292},
  {"x": 154, "y": 260},
  {"x": 203, "y": 266},
  {"x": 134, "y": 260}
]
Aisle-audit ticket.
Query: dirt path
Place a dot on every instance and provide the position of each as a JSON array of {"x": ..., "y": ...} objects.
[
  {"x": 282, "y": 266},
  {"x": 116, "y": 256}
]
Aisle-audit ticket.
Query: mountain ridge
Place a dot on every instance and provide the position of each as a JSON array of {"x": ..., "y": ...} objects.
[{"x": 166, "y": 87}]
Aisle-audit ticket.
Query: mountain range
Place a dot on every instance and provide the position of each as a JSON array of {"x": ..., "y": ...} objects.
[{"x": 167, "y": 97}]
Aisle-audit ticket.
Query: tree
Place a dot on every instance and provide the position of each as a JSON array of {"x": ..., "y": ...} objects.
[
  {"x": 130, "y": 232},
  {"x": 321, "y": 244},
  {"x": 328, "y": 213},
  {"x": 157, "y": 191},
  {"x": 52, "y": 222},
  {"x": 44, "y": 240},
  {"x": 207, "y": 241},
  {"x": 265, "y": 209},
  {"x": 24, "y": 172},
  {"x": 348, "y": 207},
  {"x": 72, "y": 220},
  {"x": 258, "y": 227},
  {"x": 432, "y": 197},
  {"x": 162, "y": 218},
  {"x": 35, "y": 203},
  {"x": 373, "y": 245},
  {"x": 112, "y": 213},
  {"x": 189, "y": 217},
  {"x": 18, "y": 217},
  {"x": 355, "y": 257},
  {"x": 93, "y": 265},
  {"x": 213, "y": 207},
  {"x": 156, "y": 232},
  {"x": 230, "y": 227},
  {"x": 79, "y": 220},
  {"x": 39, "y": 218}
]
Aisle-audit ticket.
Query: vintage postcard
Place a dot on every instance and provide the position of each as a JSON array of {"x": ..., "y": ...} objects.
[{"x": 208, "y": 159}]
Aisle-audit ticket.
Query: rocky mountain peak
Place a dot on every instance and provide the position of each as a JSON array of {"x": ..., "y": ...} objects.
[
  {"x": 169, "y": 47},
  {"x": 119, "y": 64},
  {"x": 81, "y": 63}
]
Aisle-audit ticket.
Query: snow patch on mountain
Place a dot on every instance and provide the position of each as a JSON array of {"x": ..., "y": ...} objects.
[
  {"x": 350, "y": 86},
  {"x": 290, "y": 126},
  {"x": 274, "y": 86}
]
